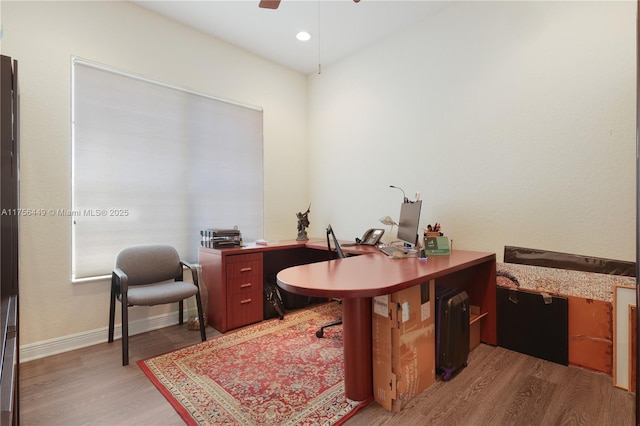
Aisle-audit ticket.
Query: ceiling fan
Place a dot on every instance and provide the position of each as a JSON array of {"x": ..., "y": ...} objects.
[{"x": 273, "y": 4}]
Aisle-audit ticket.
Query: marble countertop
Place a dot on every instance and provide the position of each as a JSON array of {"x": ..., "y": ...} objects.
[{"x": 587, "y": 285}]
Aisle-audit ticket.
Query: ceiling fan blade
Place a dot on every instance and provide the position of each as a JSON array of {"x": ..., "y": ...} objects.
[{"x": 269, "y": 4}]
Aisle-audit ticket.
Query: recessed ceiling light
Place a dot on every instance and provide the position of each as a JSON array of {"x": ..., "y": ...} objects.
[{"x": 303, "y": 36}]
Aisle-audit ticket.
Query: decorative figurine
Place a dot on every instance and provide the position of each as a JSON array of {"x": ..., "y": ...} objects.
[{"x": 303, "y": 224}]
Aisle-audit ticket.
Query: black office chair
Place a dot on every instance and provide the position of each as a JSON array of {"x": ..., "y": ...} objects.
[{"x": 320, "y": 332}]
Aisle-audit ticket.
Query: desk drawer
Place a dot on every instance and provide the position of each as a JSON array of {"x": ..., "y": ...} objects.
[
  {"x": 239, "y": 258},
  {"x": 245, "y": 309},
  {"x": 244, "y": 268},
  {"x": 252, "y": 283}
]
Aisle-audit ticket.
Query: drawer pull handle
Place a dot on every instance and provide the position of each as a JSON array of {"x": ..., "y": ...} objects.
[
  {"x": 245, "y": 301},
  {"x": 245, "y": 285},
  {"x": 248, "y": 269}
]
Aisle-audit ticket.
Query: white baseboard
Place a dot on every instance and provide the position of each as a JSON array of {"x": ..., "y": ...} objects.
[{"x": 71, "y": 342}]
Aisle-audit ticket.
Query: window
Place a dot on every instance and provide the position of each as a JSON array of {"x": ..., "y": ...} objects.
[{"x": 155, "y": 164}]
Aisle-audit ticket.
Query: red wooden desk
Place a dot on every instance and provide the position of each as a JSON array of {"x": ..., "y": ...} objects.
[{"x": 357, "y": 279}]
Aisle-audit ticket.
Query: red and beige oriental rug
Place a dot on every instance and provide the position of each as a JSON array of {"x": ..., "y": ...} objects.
[{"x": 273, "y": 373}]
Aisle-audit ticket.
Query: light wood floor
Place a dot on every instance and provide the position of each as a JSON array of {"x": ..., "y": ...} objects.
[{"x": 499, "y": 387}]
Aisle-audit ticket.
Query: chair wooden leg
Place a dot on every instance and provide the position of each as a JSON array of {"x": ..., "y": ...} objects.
[
  {"x": 125, "y": 331},
  {"x": 203, "y": 333}
]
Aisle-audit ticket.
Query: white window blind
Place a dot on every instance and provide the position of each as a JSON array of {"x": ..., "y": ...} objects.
[{"x": 155, "y": 164}]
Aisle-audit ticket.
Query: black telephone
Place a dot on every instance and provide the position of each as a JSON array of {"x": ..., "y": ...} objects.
[{"x": 371, "y": 237}]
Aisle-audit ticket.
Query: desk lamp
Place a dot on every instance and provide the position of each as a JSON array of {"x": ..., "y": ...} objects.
[{"x": 388, "y": 221}]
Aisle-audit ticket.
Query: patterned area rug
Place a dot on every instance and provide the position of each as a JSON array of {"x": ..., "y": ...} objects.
[{"x": 272, "y": 373}]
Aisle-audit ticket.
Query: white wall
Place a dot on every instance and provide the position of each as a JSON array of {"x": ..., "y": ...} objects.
[
  {"x": 515, "y": 121},
  {"x": 43, "y": 36}
]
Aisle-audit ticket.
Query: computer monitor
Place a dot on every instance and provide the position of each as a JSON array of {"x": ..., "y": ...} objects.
[{"x": 409, "y": 222}]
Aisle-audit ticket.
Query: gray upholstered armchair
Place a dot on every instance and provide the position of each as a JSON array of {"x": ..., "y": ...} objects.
[{"x": 146, "y": 276}]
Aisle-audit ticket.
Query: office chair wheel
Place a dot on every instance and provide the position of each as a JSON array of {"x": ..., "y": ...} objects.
[{"x": 320, "y": 333}]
